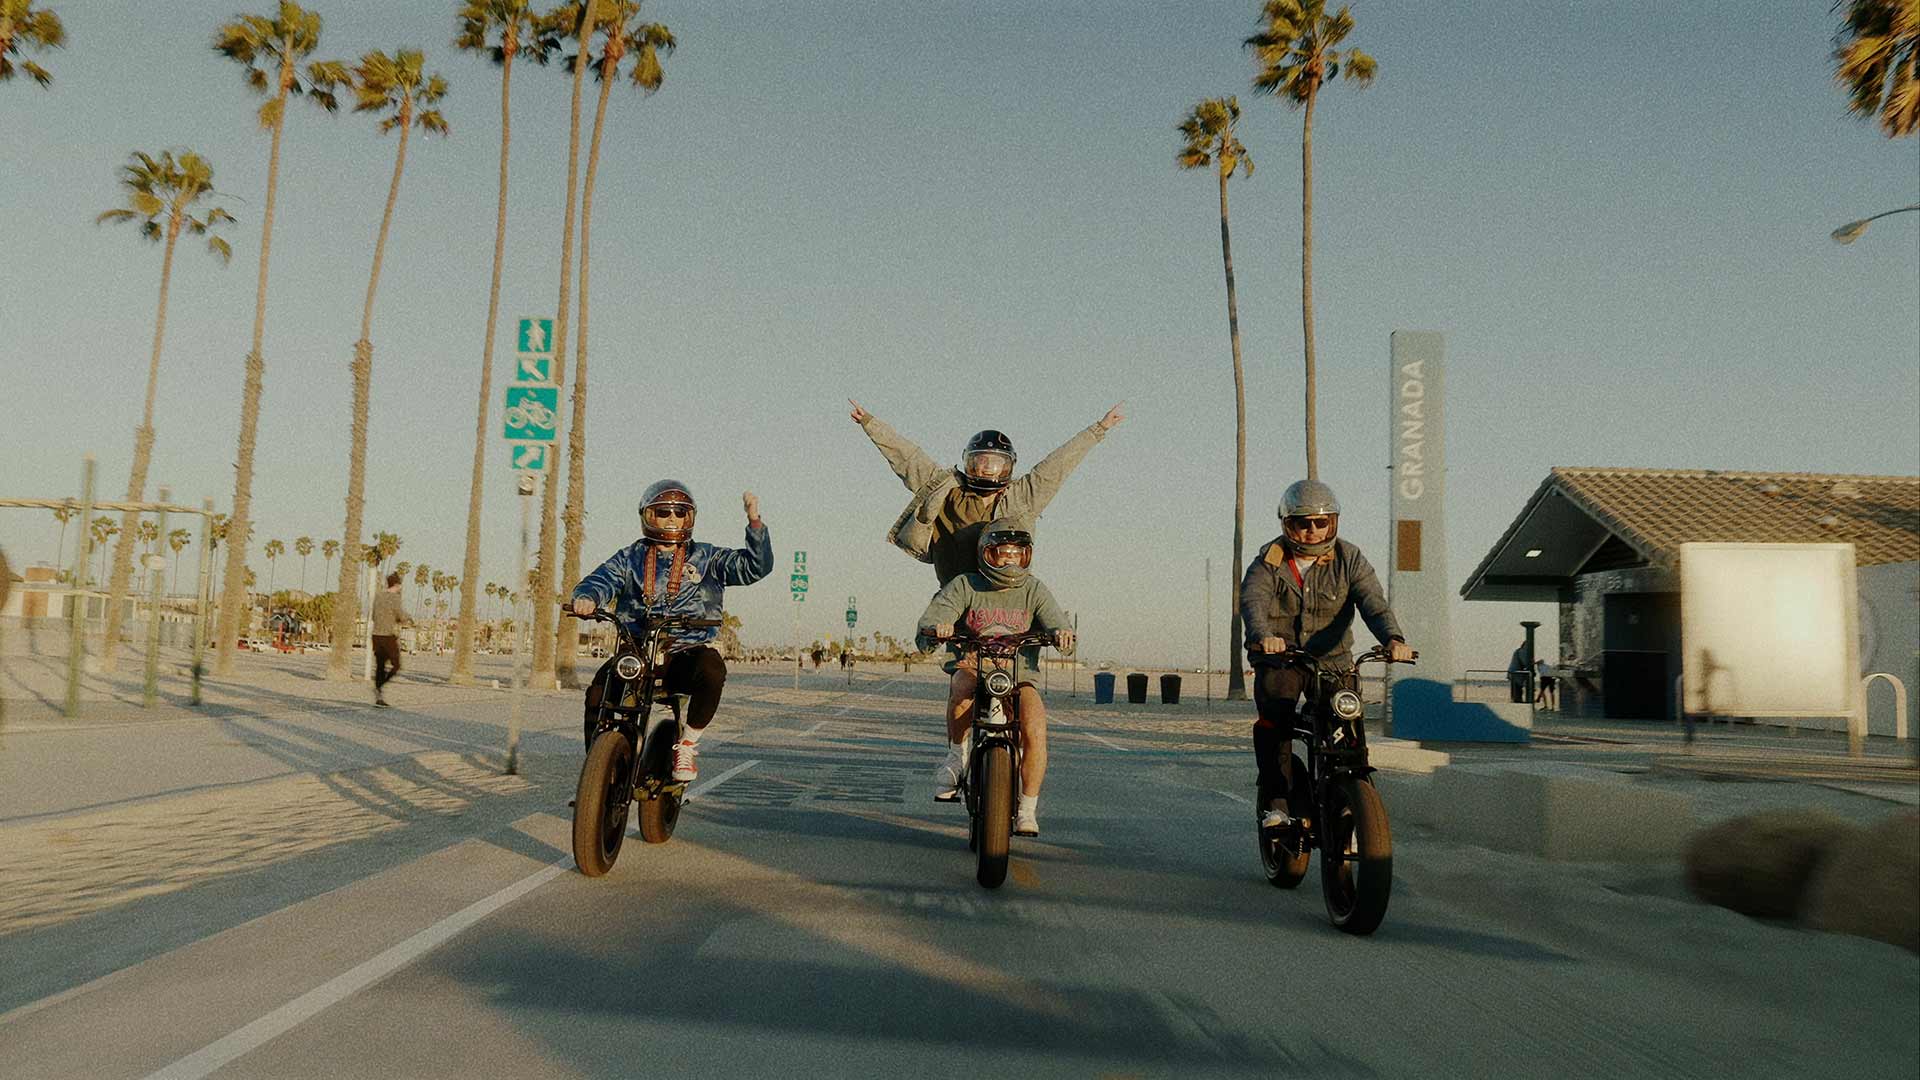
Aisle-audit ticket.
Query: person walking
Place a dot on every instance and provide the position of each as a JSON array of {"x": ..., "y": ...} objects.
[
  {"x": 1547, "y": 685},
  {"x": 388, "y": 617}
]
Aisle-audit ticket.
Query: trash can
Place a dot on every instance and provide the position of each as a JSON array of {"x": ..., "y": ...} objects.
[
  {"x": 1103, "y": 688},
  {"x": 1169, "y": 689},
  {"x": 1137, "y": 687}
]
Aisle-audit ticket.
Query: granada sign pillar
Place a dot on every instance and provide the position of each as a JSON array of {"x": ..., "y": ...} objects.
[{"x": 1417, "y": 585}]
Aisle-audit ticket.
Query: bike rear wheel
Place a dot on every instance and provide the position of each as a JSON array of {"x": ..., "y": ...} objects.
[
  {"x": 1356, "y": 858},
  {"x": 995, "y": 819},
  {"x": 1285, "y": 853},
  {"x": 600, "y": 803}
]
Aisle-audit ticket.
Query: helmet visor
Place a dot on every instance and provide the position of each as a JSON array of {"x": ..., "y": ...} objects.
[
  {"x": 1010, "y": 553},
  {"x": 1309, "y": 527},
  {"x": 988, "y": 465}
]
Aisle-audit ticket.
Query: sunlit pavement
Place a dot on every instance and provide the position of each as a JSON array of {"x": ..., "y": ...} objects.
[{"x": 291, "y": 883}]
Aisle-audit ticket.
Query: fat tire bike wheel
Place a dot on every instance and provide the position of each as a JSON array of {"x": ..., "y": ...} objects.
[
  {"x": 1356, "y": 863},
  {"x": 600, "y": 804},
  {"x": 996, "y": 814}
]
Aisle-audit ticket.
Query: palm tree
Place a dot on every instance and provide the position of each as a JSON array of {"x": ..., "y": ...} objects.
[
  {"x": 161, "y": 193},
  {"x": 274, "y": 550},
  {"x": 577, "y": 20},
  {"x": 216, "y": 538},
  {"x": 1876, "y": 55},
  {"x": 1296, "y": 54},
  {"x": 304, "y": 547},
  {"x": 328, "y": 549},
  {"x": 1211, "y": 140},
  {"x": 399, "y": 88},
  {"x": 622, "y": 34},
  {"x": 422, "y": 574},
  {"x": 519, "y": 34},
  {"x": 402, "y": 567},
  {"x": 22, "y": 28},
  {"x": 103, "y": 529},
  {"x": 63, "y": 514},
  {"x": 177, "y": 539},
  {"x": 271, "y": 51}
]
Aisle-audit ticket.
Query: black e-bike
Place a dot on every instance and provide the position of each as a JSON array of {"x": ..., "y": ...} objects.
[
  {"x": 630, "y": 747},
  {"x": 993, "y": 765},
  {"x": 1332, "y": 800}
]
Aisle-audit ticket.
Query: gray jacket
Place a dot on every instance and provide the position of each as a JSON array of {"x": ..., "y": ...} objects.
[
  {"x": 930, "y": 481},
  {"x": 1318, "y": 618}
]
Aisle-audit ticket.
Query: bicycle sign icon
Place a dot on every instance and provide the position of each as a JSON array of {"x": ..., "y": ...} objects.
[{"x": 532, "y": 413}]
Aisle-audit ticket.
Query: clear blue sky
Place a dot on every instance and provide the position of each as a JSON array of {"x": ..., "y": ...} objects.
[{"x": 969, "y": 216}]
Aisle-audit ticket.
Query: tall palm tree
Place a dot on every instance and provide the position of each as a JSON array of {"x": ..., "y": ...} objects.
[
  {"x": 505, "y": 30},
  {"x": 177, "y": 541},
  {"x": 271, "y": 50},
  {"x": 1295, "y": 50},
  {"x": 402, "y": 567},
  {"x": 622, "y": 35},
  {"x": 274, "y": 549},
  {"x": 22, "y": 29},
  {"x": 1876, "y": 54},
  {"x": 328, "y": 549},
  {"x": 577, "y": 20},
  {"x": 161, "y": 196},
  {"x": 103, "y": 529},
  {"x": 63, "y": 514},
  {"x": 1211, "y": 138},
  {"x": 398, "y": 88},
  {"x": 304, "y": 547}
]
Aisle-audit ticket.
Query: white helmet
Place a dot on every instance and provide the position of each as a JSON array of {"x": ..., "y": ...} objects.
[{"x": 1309, "y": 518}]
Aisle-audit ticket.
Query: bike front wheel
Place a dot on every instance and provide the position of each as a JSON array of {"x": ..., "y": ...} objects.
[
  {"x": 995, "y": 816},
  {"x": 1356, "y": 858},
  {"x": 600, "y": 804}
]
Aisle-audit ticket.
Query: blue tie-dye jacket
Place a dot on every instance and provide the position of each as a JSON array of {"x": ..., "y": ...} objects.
[{"x": 703, "y": 582}]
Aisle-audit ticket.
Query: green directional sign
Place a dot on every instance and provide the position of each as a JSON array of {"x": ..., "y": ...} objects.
[
  {"x": 533, "y": 413},
  {"x": 799, "y": 583},
  {"x": 853, "y": 614},
  {"x": 532, "y": 456},
  {"x": 533, "y": 369},
  {"x": 536, "y": 335}
]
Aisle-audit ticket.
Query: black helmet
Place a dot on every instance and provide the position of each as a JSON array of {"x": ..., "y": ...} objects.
[
  {"x": 1004, "y": 531},
  {"x": 1305, "y": 500},
  {"x": 666, "y": 512},
  {"x": 987, "y": 462}
]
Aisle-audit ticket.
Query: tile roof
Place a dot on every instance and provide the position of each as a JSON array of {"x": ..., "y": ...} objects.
[{"x": 1657, "y": 510}]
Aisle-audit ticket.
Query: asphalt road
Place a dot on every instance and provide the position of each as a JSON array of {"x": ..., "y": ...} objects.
[{"x": 353, "y": 893}]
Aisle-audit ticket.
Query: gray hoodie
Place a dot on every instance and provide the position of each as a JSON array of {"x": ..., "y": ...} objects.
[{"x": 972, "y": 602}]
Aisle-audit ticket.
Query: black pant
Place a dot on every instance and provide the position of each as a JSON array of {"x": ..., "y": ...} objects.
[
  {"x": 386, "y": 660},
  {"x": 697, "y": 672},
  {"x": 1276, "y": 694}
]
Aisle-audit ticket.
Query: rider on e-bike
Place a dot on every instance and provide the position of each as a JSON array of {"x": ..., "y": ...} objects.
[
  {"x": 1301, "y": 592},
  {"x": 665, "y": 573}
]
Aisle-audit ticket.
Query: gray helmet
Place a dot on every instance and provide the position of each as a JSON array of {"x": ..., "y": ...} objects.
[
  {"x": 663, "y": 495},
  {"x": 1005, "y": 531},
  {"x": 1306, "y": 499}
]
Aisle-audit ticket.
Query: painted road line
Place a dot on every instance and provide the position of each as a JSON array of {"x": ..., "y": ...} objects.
[
  {"x": 1105, "y": 741},
  {"x": 1241, "y": 799},
  {"x": 701, "y": 789},
  {"x": 215, "y": 1055}
]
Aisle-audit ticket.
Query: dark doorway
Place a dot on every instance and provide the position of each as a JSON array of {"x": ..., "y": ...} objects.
[{"x": 1641, "y": 649}]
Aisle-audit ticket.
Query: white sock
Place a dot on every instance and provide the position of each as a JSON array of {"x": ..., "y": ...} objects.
[
  {"x": 961, "y": 746},
  {"x": 1029, "y": 804},
  {"x": 691, "y": 735}
]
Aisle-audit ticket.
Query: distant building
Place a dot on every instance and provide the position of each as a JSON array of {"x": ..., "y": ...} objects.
[{"x": 1605, "y": 545}]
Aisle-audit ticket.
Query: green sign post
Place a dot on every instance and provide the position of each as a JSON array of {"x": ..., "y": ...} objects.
[{"x": 532, "y": 413}]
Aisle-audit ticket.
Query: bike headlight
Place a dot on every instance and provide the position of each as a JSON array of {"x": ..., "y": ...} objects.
[
  {"x": 627, "y": 667},
  {"x": 999, "y": 684},
  {"x": 1346, "y": 705}
]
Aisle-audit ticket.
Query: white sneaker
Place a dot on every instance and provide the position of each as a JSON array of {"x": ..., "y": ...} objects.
[
  {"x": 1026, "y": 823},
  {"x": 946, "y": 778},
  {"x": 683, "y": 764}
]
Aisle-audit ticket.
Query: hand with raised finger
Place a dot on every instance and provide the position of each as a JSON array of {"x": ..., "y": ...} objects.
[
  {"x": 752, "y": 503},
  {"x": 860, "y": 415},
  {"x": 1113, "y": 418}
]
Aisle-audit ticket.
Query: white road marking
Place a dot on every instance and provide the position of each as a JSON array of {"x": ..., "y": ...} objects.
[
  {"x": 210, "y": 1058},
  {"x": 1108, "y": 742},
  {"x": 1242, "y": 799},
  {"x": 701, "y": 789}
]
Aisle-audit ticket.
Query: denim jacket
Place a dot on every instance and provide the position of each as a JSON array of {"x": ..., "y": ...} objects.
[{"x": 703, "y": 581}]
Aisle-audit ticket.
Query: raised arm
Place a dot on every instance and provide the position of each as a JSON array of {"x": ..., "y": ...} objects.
[
  {"x": 911, "y": 464},
  {"x": 748, "y": 564},
  {"x": 1042, "y": 482}
]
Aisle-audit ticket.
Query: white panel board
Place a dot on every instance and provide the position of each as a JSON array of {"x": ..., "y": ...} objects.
[{"x": 1769, "y": 629}]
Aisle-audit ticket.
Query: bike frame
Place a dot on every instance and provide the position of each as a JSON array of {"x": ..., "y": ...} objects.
[
  {"x": 626, "y": 705},
  {"x": 996, "y": 716},
  {"x": 1336, "y": 747}
]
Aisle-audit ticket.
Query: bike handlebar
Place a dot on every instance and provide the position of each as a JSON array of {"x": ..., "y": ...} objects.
[
  {"x": 1302, "y": 656},
  {"x": 665, "y": 622},
  {"x": 1000, "y": 642}
]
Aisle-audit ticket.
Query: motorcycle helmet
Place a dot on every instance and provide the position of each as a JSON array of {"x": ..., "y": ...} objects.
[
  {"x": 987, "y": 462},
  {"x": 1309, "y": 519},
  {"x": 666, "y": 512},
  {"x": 1006, "y": 552}
]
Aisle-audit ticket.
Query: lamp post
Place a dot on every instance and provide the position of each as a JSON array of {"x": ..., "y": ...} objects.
[{"x": 1848, "y": 233}]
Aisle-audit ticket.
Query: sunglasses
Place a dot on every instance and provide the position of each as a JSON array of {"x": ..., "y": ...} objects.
[
  {"x": 1318, "y": 521},
  {"x": 671, "y": 512}
]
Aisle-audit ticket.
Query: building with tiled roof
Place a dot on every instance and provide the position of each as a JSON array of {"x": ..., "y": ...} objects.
[{"x": 1605, "y": 544}]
